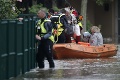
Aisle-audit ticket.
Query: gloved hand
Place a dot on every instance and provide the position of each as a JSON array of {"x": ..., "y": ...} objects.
[{"x": 55, "y": 31}]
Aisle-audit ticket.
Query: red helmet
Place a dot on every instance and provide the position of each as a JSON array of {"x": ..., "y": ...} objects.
[{"x": 75, "y": 13}]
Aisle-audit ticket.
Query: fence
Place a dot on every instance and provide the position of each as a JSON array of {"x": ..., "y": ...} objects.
[{"x": 17, "y": 47}]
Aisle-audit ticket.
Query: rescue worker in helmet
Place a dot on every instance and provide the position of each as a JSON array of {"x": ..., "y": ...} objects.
[{"x": 46, "y": 40}]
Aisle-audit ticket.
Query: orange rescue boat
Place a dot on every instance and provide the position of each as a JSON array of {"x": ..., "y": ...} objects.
[{"x": 83, "y": 50}]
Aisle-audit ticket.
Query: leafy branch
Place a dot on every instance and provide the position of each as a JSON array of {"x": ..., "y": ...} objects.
[
  {"x": 8, "y": 10},
  {"x": 101, "y": 2}
]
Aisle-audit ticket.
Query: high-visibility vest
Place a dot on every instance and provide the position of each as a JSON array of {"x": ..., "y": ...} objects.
[
  {"x": 43, "y": 30},
  {"x": 80, "y": 24}
]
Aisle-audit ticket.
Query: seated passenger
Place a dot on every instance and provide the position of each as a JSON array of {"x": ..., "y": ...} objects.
[{"x": 96, "y": 38}]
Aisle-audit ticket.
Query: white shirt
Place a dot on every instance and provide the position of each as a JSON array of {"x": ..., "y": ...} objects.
[{"x": 76, "y": 30}]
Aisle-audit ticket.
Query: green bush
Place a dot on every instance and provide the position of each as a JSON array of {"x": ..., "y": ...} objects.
[
  {"x": 35, "y": 8},
  {"x": 8, "y": 10},
  {"x": 56, "y": 9},
  {"x": 88, "y": 25}
]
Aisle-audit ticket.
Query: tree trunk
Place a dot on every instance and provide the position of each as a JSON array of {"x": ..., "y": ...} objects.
[{"x": 84, "y": 13}]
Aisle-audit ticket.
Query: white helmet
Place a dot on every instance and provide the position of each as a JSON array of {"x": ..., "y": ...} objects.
[{"x": 87, "y": 34}]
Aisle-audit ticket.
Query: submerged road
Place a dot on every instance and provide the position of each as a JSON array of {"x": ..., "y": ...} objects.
[{"x": 78, "y": 69}]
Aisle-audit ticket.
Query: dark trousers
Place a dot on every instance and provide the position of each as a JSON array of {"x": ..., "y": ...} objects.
[
  {"x": 77, "y": 39},
  {"x": 45, "y": 50},
  {"x": 61, "y": 38},
  {"x": 68, "y": 38}
]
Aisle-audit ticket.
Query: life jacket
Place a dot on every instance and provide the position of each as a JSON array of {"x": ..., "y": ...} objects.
[
  {"x": 80, "y": 24},
  {"x": 43, "y": 30},
  {"x": 56, "y": 19}
]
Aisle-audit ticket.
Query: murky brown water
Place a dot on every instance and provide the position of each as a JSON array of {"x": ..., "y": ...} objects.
[{"x": 78, "y": 69}]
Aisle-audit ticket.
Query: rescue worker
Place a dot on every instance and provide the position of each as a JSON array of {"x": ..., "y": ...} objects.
[
  {"x": 70, "y": 18},
  {"x": 46, "y": 39},
  {"x": 62, "y": 24},
  {"x": 50, "y": 12},
  {"x": 80, "y": 18}
]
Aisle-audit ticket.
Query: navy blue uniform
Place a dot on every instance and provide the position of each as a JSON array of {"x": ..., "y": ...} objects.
[{"x": 45, "y": 47}]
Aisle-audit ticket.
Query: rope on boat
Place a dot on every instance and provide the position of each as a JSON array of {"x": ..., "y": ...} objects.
[
  {"x": 94, "y": 50},
  {"x": 56, "y": 38},
  {"x": 81, "y": 48},
  {"x": 69, "y": 45},
  {"x": 56, "y": 35}
]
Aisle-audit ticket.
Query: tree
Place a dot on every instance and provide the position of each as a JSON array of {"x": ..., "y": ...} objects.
[
  {"x": 8, "y": 10},
  {"x": 84, "y": 12}
]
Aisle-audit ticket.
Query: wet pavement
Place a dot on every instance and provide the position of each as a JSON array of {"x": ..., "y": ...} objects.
[{"x": 78, "y": 69}]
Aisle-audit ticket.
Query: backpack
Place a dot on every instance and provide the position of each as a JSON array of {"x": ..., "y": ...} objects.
[{"x": 55, "y": 20}]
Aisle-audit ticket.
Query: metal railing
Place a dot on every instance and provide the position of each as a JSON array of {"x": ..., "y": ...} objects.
[{"x": 17, "y": 47}]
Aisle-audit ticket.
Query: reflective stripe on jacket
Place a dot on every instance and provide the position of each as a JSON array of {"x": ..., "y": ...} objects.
[{"x": 59, "y": 24}]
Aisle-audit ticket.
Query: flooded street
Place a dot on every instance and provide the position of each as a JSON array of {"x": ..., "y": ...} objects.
[{"x": 78, "y": 69}]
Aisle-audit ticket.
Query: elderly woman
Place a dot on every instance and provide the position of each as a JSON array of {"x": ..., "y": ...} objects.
[{"x": 96, "y": 38}]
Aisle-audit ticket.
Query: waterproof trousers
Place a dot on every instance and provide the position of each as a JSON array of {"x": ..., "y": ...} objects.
[
  {"x": 61, "y": 38},
  {"x": 45, "y": 50}
]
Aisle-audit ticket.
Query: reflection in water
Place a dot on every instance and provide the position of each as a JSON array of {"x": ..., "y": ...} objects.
[{"x": 78, "y": 69}]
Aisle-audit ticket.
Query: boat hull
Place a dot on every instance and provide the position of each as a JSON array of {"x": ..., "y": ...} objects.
[{"x": 76, "y": 51}]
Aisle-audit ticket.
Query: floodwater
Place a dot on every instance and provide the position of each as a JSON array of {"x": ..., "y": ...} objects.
[{"x": 78, "y": 69}]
